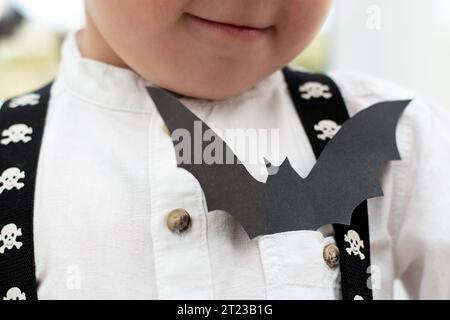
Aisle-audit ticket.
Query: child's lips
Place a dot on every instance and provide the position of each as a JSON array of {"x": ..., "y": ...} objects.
[{"x": 228, "y": 29}]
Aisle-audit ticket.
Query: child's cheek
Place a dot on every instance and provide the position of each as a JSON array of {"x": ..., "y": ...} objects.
[
  {"x": 169, "y": 9},
  {"x": 299, "y": 21},
  {"x": 138, "y": 11},
  {"x": 305, "y": 14}
]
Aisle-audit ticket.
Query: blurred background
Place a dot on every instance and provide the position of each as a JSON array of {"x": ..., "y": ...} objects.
[{"x": 405, "y": 41}]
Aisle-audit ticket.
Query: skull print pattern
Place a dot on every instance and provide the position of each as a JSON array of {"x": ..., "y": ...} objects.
[
  {"x": 315, "y": 90},
  {"x": 16, "y": 133},
  {"x": 10, "y": 179},
  {"x": 327, "y": 129},
  {"x": 8, "y": 236},
  {"x": 15, "y": 294},
  {"x": 356, "y": 244},
  {"x": 26, "y": 100}
]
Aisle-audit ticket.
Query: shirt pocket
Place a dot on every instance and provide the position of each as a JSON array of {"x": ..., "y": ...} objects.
[{"x": 294, "y": 266}]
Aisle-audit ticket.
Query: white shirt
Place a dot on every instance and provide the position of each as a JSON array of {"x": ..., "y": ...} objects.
[{"x": 107, "y": 179}]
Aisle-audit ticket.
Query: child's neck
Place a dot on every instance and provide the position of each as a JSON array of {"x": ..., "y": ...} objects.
[{"x": 93, "y": 46}]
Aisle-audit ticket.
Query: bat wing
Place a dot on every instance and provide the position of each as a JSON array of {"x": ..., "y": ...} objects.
[
  {"x": 348, "y": 170},
  {"x": 346, "y": 173},
  {"x": 227, "y": 183}
]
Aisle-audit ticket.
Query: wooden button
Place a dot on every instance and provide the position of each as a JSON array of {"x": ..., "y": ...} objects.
[
  {"x": 331, "y": 255},
  {"x": 178, "y": 220}
]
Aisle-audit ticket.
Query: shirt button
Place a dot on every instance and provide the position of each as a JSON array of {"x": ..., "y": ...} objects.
[
  {"x": 178, "y": 220},
  {"x": 331, "y": 255}
]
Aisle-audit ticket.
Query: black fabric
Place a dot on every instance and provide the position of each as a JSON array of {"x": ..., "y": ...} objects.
[
  {"x": 17, "y": 268},
  {"x": 312, "y": 110}
]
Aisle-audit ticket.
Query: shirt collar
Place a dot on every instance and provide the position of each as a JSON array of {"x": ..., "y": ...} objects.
[{"x": 100, "y": 83}]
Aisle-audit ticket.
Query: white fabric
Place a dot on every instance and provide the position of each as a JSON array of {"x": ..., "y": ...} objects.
[{"x": 107, "y": 178}]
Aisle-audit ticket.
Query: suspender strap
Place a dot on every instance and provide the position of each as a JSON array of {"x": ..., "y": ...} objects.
[
  {"x": 21, "y": 126},
  {"x": 320, "y": 106},
  {"x": 355, "y": 267}
]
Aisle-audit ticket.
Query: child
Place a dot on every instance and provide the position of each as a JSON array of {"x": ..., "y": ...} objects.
[{"x": 114, "y": 218}]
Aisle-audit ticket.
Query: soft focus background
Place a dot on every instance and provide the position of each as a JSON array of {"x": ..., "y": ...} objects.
[{"x": 405, "y": 41}]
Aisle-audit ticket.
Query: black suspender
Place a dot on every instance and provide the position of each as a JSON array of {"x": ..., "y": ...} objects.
[
  {"x": 21, "y": 127},
  {"x": 22, "y": 121},
  {"x": 321, "y": 108}
]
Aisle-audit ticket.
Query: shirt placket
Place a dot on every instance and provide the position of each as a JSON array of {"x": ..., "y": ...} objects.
[{"x": 178, "y": 223}]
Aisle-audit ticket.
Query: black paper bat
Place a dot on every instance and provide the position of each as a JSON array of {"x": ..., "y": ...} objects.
[{"x": 345, "y": 175}]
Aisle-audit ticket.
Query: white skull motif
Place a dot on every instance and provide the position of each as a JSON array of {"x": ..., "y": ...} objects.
[
  {"x": 328, "y": 129},
  {"x": 315, "y": 90},
  {"x": 10, "y": 179},
  {"x": 27, "y": 100},
  {"x": 16, "y": 133},
  {"x": 352, "y": 237},
  {"x": 8, "y": 236},
  {"x": 15, "y": 294}
]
